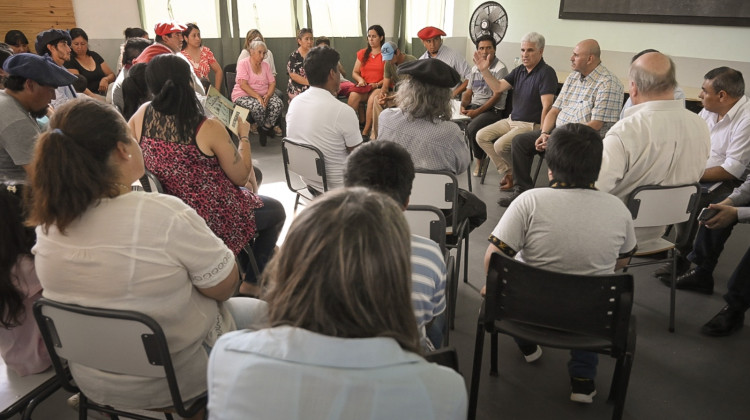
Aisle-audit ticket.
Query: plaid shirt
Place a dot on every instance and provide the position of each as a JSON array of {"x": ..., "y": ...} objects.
[{"x": 597, "y": 96}]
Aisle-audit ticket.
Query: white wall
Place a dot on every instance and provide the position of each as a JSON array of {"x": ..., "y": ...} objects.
[
  {"x": 106, "y": 19},
  {"x": 699, "y": 41}
]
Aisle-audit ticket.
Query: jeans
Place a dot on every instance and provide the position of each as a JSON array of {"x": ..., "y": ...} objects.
[
  {"x": 269, "y": 220},
  {"x": 709, "y": 243},
  {"x": 582, "y": 364},
  {"x": 435, "y": 330}
]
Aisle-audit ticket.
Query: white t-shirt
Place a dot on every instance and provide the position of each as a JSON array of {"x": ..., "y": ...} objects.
[
  {"x": 293, "y": 374},
  {"x": 572, "y": 230},
  {"x": 316, "y": 117},
  {"x": 147, "y": 253}
]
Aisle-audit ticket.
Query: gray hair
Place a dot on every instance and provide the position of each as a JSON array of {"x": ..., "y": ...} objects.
[
  {"x": 535, "y": 38},
  {"x": 424, "y": 101},
  {"x": 650, "y": 82},
  {"x": 254, "y": 44}
]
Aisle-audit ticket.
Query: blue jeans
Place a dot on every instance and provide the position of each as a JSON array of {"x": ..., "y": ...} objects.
[
  {"x": 435, "y": 330},
  {"x": 269, "y": 220},
  {"x": 582, "y": 364}
]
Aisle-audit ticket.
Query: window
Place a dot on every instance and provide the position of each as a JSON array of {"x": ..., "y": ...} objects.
[
  {"x": 273, "y": 18},
  {"x": 421, "y": 13},
  {"x": 335, "y": 18},
  {"x": 201, "y": 12}
]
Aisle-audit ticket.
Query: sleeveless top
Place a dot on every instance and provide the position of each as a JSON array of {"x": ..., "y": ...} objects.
[{"x": 198, "y": 180}]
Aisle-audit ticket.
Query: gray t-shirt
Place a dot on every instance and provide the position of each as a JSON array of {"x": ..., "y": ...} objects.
[
  {"x": 18, "y": 133},
  {"x": 571, "y": 230}
]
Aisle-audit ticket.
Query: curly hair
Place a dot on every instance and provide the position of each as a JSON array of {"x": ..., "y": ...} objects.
[{"x": 420, "y": 100}]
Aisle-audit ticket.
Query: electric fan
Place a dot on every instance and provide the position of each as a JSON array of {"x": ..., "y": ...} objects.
[{"x": 489, "y": 18}]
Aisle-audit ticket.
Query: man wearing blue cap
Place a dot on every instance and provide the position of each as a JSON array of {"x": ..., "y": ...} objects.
[
  {"x": 30, "y": 88},
  {"x": 393, "y": 57}
]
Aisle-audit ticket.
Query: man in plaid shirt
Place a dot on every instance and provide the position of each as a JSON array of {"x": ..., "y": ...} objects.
[{"x": 591, "y": 95}]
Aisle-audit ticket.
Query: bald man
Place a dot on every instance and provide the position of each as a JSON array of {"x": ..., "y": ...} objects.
[
  {"x": 658, "y": 142},
  {"x": 591, "y": 95}
]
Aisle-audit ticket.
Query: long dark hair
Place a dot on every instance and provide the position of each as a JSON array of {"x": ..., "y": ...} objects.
[
  {"x": 381, "y": 33},
  {"x": 16, "y": 242},
  {"x": 134, "y": 90},
  {"x": 71, "y": 169},
  {"x": 168, "y": 78}
]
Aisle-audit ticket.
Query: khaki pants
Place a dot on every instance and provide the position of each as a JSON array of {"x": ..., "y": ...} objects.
[
  {"x": 495, "y": 140},
  {"x": 376, "y": 110}
]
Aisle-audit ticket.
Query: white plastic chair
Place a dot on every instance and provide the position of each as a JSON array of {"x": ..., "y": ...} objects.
[{"x": 305, "y": 161}]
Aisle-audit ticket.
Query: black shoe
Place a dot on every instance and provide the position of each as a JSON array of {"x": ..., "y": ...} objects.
[
  {"x": 505, "y": 201},
  {"x": 583, "y": 390},
  {"x": 665, "y": 270},
  {"x": 724, "y": 323},
  {"x": 694, "y": 281},
  {"x": 531, "y": 352},
  {"x": 262, "y": 136}
]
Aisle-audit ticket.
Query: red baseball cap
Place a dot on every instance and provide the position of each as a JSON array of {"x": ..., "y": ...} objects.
[
  {"x": 429, "y": 32},
  {"x": 169, "y": 27}
]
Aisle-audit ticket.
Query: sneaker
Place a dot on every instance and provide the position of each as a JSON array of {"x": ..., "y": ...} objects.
[
  {"x": 583, "y": 390},
  {"x": 505, "y": 201},
  {"x": 531, "y": 353},
  {"x": 726, "y": 322},
  {"x": 665, "y": 270},
  {"x": 694, "y": 280},
  {"x": 74, "y": 401}
]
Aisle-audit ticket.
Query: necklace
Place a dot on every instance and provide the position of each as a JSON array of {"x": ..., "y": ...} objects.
[{"x": 123, "y": 188}]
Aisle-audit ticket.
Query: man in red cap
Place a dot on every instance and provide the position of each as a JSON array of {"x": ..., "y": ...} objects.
[
  {"x": 168, "y": 40},
  {"x": 431, "y": 38}
]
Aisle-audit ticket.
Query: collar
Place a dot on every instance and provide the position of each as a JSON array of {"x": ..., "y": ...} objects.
[
  {"x": 564, "y": 185},
  {"x": 732, "y": 113},
  {"x": 539, "y": 65},
  {"x": 298, "y": 345}
]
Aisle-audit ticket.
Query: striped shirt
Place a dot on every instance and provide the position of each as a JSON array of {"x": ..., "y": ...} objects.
[
  {"x": 597, "y": 96},
  {"x": 428, "y": 279}
]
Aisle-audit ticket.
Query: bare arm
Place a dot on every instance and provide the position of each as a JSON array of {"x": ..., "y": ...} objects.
[
  {"x": 218, "y": 75},
  {"x": 225, "y": 289},
  {"x": 595, "y": 124},
  {"x": 356, "y": 75},
  {"x": 236, "y": 162},
  {"x": 547, "y": 101},
  {"x": 457, "y": 91}
]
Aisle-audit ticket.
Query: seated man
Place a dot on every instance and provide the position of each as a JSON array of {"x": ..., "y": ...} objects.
[
  {"x": 386, "y": 167},
  {"x": 534, "y": 84},
  {"x": 432, "y": 41},
  {"x": 479, "y": 102},
  {"x": 393, "y": 57},
  {"x": 316, "y": 117},
  {"x": 726, "y": 111},
  {"x": 574, "y": 229},
  {"x": 708, "y": 246},
  {"x": 679, "y": 94},
  {"x": 709, "y": 242},
  {"x": 591, "y": 95},
  {"x": 29, "y": 89},
  {"x": 659, "y": 142}
]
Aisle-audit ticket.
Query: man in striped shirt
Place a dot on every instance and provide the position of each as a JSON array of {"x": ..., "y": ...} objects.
[{"x": 386, "y": 167}]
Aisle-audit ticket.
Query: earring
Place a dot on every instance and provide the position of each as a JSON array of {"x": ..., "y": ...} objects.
[{"x": 130, "y": 156}]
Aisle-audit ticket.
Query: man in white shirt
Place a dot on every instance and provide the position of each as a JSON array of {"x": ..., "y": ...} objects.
[
  {"x": 316, "y": 117},
  {"x": 658, "y": 142},
  {"x": 432, "y": 41},
  {"x": 726, "y": 111}
]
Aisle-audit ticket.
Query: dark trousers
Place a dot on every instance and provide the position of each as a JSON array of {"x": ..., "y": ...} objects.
[
  {"x": 269, "y": 220},
  {"x": 522, "y": 154},
  {"x": 738, "y": 296},
  {"x": 709, "y": 243},
  {"x": 685, "y": 233},
  {"x": 477, "y": 123}
]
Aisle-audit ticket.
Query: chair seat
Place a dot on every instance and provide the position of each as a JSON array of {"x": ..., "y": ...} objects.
[
  {"x": 559, "y": 339},
  {"x": 653, "y": 246}
]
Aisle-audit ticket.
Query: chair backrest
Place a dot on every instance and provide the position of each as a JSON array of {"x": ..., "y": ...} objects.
[
  {"x": 656, "y": 205},
  {"x": 438, "y": 189},
  {"x": 304, "y": 160},
  {"x": 122, "y": 342},
  {"x": 427, "y": 221},
  {"x": 150, "y": 183},
  {"x": 230, "y": 78},
  {"x": 578, "y": 305}
]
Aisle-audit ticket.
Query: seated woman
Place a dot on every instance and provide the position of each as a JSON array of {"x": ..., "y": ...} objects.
[
  {"x": 134, "y": 90},
  {"x": 201, "y": 57},
  {"x": 88, "y": 63},
  {"x": 342, "y": 340},
  {"x": 368, "y": 74},
  {"x": 99, "y": 244},
  {"x": 255, "y": 89},
  {"x": 251, "y": 36},
  {"x": 297, "y": 78},
  {"x": 21, "y": 344},
  {"x": 195, "y": 160}
]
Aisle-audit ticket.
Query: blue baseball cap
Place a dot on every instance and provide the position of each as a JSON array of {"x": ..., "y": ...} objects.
[{"x": 388, "y": 50}]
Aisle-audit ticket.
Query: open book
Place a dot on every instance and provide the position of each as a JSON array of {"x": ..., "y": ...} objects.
[{"x": 223, "y": 109}]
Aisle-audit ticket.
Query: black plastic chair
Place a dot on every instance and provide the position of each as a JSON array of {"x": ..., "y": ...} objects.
[
  {"x": 120, "y": 342},
  {"x": 558, "y": 310}
]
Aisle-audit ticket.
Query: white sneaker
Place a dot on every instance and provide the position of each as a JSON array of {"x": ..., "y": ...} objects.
[{"x": 533, "y": 357}]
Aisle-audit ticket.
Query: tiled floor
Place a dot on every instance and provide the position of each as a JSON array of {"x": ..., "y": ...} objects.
[{"x": 681, "y": 375}]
